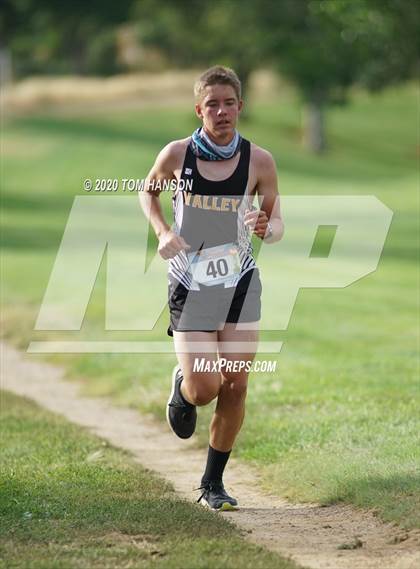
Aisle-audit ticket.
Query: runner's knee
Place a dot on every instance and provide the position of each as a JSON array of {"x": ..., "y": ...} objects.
[
  {"x": 235, "y": 386},
  {"x": 202, "y": 387}
]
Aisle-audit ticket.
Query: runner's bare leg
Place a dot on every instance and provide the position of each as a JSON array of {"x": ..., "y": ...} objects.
[
  {"x": 230, "y": 409},
  {"x": 199, "y": 388}
]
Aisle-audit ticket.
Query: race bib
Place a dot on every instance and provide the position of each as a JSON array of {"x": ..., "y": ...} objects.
[{"x": 215, "y": 265}]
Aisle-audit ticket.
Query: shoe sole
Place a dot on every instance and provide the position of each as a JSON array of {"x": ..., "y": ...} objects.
[{"x": 225, "y": 507}]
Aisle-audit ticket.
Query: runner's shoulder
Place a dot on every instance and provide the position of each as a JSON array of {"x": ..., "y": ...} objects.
[
  {"x": 261, "y": 158},
  {"x": 173, "y": 153}
]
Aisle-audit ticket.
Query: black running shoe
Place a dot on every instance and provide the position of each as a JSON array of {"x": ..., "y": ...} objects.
[
  {"x": 181, "y": 415},
  {"x": 215, "y": 497}
]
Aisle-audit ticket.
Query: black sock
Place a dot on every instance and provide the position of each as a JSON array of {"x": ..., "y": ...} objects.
[{"x": 216, "y": 462}]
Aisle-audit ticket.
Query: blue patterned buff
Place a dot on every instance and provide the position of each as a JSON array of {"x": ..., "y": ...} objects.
[{"x": 205, "y": 149}]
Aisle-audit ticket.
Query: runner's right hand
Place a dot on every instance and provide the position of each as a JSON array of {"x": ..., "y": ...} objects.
[{"x": 170, "y": 244}]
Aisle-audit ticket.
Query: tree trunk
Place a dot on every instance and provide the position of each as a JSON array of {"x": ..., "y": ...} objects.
[
  {"x": 314, "y": 127},
  {"x": 5, "y": 66}
]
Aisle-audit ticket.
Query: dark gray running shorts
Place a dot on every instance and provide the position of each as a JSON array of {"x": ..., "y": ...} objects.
[{"x": 208, "y": 309}]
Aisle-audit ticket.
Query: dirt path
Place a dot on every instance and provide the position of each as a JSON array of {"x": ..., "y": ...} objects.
[{"x": 309, "y": 534}]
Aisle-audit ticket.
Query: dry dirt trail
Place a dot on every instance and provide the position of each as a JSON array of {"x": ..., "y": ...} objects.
[{"x": 309, "y": 534}]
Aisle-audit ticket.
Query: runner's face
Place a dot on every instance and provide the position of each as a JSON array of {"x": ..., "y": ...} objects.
[{"x": 219, "y": 109}]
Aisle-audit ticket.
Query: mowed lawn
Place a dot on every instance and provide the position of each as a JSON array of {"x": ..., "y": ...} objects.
[
  {"x": 339, "y": 420},
  {"x": 67, "y": 499}
]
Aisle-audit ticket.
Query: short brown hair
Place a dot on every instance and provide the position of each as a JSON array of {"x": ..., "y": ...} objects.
[{"x": 217, "y": 75}]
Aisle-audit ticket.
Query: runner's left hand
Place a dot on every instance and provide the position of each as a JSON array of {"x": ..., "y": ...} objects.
[{"x": 256, "y": 220}]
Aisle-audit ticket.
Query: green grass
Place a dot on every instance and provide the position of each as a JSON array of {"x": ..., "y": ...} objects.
[
  {"x": 338, "y": 421},
  {"x": 67, "y": 499}
]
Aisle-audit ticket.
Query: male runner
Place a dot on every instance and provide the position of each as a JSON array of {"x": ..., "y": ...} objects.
[{"x": 214, "y": 285}]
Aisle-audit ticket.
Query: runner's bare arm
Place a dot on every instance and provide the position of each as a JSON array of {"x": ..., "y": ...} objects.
[
  {"x": 269, "y": 199},
  {"x": 163, "y": 169}
]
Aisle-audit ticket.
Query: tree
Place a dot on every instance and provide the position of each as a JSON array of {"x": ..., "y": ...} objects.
[
  {"x": 326, "y": 46},
  {"x": 194, "y": 33},
  {"x": 47, "y": 36}
]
